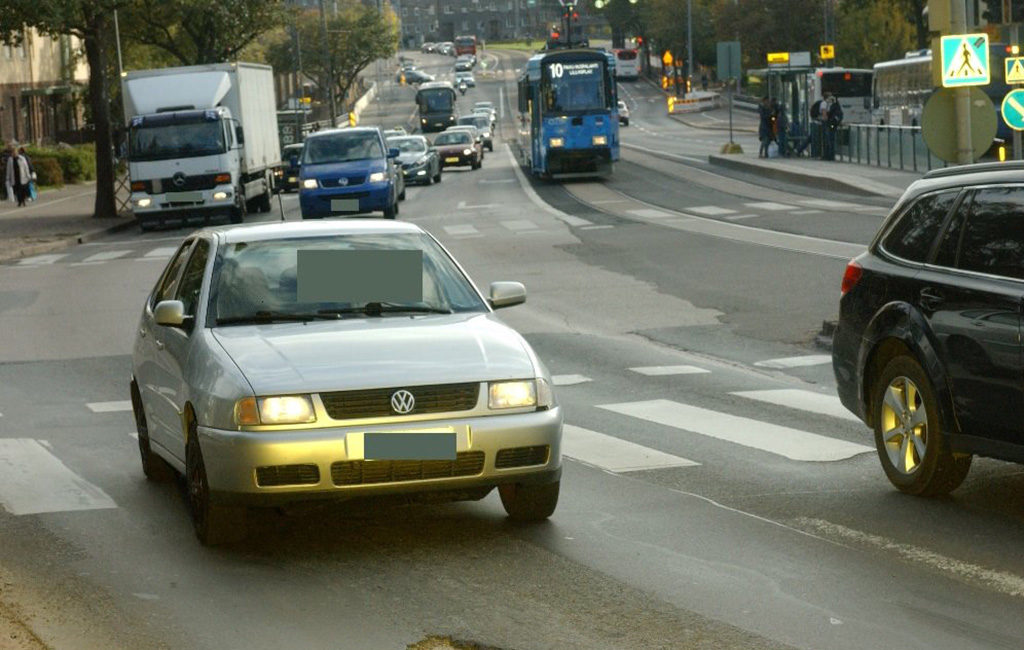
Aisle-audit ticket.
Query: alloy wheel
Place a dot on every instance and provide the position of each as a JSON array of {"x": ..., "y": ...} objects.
[{"x": 904, "y": 425}]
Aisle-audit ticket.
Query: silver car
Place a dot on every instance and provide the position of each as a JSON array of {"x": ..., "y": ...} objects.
[{"x": 299, "y": 361}]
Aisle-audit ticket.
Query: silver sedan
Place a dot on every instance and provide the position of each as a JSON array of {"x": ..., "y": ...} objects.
[{"x": 300, "y": 361}]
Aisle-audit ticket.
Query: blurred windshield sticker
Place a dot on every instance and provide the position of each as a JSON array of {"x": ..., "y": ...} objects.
[{"x": 360, "y": 276}]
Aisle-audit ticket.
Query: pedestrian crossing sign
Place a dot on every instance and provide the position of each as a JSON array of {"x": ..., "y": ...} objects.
[
  {"x": 965, "y": 60},
  {"x": 1015, "y": 69}
]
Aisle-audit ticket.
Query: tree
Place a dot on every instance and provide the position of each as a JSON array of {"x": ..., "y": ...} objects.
[
  {"x": 769, "y": 26},
  {"x": 92, "y": 22},
  {"x": 870, "y": 32},
  {"x": 357, "y": 36},
  {"x": 200, "y": 31}
]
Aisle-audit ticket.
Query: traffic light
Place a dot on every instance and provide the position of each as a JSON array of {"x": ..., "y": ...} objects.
[
  {"x": 1003, "y": 11},
  {"x": 639, "y": 41}
]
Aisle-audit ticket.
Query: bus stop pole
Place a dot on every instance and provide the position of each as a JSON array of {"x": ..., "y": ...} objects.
[
  {"x": 962, "y": 103},
  {"x": 1015, "y": 41}
]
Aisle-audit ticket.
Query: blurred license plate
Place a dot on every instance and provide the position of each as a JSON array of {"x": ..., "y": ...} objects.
[
  {"x": 185, "y": 197},
  {"x": 409, "y": 446},
  {"x": 344, "y": 205},
  {"x": 292, "y": 179},
  {"x": 455, "y": 159}
]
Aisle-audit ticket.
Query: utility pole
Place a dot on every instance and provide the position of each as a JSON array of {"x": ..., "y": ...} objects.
[
  {"x": 328, "y": 64},
  {"x": 689, "y": 44},
  {"x": 962, "y": 102}
]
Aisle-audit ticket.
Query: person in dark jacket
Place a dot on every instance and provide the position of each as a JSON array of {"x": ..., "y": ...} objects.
[{"x": 764, "y": 129}]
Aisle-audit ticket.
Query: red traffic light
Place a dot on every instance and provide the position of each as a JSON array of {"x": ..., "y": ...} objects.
[{"x": 639, "y": 40}]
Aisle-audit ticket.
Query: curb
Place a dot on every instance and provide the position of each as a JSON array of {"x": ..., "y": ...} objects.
[
  {"x": 68, "y": 242},
  {"x": 740, "y": 129},
  {"x": 801, "y": 178}
]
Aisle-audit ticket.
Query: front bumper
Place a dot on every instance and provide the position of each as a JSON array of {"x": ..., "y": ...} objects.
[
  {"x": 185, "y": 207},
  {"x": 458, "y": 160},
  {"x": 232, "y": 458},
  {"x": 317, "y": 203},
  {"x": 419, "y": 174}
]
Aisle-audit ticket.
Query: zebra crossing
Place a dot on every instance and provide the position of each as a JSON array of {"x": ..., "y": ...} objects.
[
  {"x": 83, "y": 257},
  {"x": 802, "y": 207}
]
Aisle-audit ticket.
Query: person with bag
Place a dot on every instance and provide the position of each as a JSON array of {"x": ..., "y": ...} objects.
[
  {"x": 764, "y": 129},
  {"x": 32, "y": 191},
  {"x": 833, "y": 118},
  {"x": 18, "y": 176}
]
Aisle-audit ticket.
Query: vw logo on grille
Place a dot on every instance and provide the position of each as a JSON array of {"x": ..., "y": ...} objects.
[
  {"x": 343, "y": 181},
  {"x": 178, "y": 179},
  {"x": 402, "y": 402}
]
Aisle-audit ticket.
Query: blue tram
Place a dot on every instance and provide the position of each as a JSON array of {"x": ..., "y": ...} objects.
[{"x": 568, "y": 113}]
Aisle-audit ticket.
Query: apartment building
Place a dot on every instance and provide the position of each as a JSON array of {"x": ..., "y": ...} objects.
[{"x": 42, "y": 88}]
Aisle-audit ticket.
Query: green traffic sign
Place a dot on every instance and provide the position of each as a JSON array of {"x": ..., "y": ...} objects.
[
  {"x": 1013, "y": 109},
  {"x": 965, "y": 60}
]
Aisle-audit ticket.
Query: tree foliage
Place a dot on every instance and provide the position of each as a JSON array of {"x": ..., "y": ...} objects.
[
  {"x": 764, "y": 26},
  {"x": 356, "y": 37},
  {"x": 870, "y": 32},
  {"x": 200, "y": 31}
]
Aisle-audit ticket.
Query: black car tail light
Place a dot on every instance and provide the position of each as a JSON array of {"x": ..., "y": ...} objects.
[{"x": 851, "y": 276}]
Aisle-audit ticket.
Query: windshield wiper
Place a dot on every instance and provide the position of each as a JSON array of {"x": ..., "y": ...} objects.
[
  {"x": 378, "y": 308},
  {"x": 270, "y": 317}
]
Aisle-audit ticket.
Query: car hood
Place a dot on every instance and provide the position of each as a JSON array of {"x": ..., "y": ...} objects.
[
  {"x": 411, "y": 157},
  {"x": 376, "y": 352},
  {"x": 353, "y": 167}
]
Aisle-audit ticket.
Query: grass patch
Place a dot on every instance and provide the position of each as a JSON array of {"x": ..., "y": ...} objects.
[{"x": 522, "y": 46}]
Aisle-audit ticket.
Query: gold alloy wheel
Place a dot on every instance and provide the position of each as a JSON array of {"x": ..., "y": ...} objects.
[{"x": 904, "y": 425}]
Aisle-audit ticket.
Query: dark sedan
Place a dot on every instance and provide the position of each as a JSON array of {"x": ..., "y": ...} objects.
[
  {"x": 413, "y": 77},
  {"x": 419, "y": 161},
  {"x": 459, "y": 149}
]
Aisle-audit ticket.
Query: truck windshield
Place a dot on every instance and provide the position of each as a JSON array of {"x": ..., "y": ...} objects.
[{"x": 186, "y": 140}]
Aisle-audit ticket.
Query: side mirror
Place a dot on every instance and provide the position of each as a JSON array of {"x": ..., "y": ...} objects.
[
  {"x": 239, "y": 134},
  {"x": 506, "y": 294},
  {"x": 393, "y": 153},
  {"x": 170, "y": 313}
]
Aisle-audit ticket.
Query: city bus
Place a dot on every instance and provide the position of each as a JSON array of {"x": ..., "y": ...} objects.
[
  {"x": 435, "y": 101},
  {"x": 627, "y": 64},
  {"x": 568, "y": 112},
  {"x": 850, "y": 86},
  {"x": 902, "y": 87},
  {"x": 465, "y": 45}
]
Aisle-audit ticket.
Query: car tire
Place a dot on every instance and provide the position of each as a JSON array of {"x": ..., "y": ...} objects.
[
  {"x": 918, "y": 461},
  {"x": 526, "y": 502},
  {"x": 391, "y": 211},
  {"x": 238, "y": 212},
  {"x": 154, "y": 467},
  {"x": 437, "y": 177},
  {"x": 625, "y": 122},
  {"x": 477, "y": 163},
  {"x": 213, "y": 523},
  {"x": 490, "y": 146},
  {"x": 264, "y": 201},
  {"x": 401, "y": 197}
]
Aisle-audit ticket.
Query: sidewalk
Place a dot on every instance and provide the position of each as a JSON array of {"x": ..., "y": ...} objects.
[{"x": 59, "y": 218}]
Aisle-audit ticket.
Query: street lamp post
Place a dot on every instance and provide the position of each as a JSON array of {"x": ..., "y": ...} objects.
[{"x": 328, "y": 64}]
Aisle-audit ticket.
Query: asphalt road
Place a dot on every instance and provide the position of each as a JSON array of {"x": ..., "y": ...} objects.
[{"x": 715, "y": 494}]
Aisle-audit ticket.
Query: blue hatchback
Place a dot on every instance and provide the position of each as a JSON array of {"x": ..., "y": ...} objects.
[{"x": 348, "y": 171}]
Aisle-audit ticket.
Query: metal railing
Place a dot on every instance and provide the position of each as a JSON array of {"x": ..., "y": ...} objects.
[{"x": 894, "y": 147}]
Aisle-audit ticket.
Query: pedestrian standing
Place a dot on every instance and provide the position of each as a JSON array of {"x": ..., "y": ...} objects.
[
  {"x": 764, "y": 129},
  {"x": 17, "y": 176},
  {"x": 31, "y": 185},
  {"x": 704, "y": 81},
  {"x": 8, "y": 189},
  {"x": 833, "y": 118},
  {"x": 780, "y": 125}
]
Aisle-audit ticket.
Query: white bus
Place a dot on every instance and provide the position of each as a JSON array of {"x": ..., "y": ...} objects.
[
  {"x": 901, "y": 88},
  {"x": 851, "y": 86},
  {"x": 627, "y": 63}
]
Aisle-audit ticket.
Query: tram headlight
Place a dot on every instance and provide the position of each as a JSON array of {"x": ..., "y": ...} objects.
[
  {"x": 600, "y": 140},
  {"x": 557, "y": 142}
]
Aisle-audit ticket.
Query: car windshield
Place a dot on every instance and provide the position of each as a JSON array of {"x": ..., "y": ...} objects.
[
  {"x": 408, "y": 145},
  {"x": 342, "y": 147},
  {"x": 283, "y": 279},
  {"x": 453, "y": 137},
  {"x": 483, "y": 105},
  {"x": 468, "y": 120}
]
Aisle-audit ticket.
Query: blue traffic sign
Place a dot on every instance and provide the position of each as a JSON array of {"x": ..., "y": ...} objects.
[
  {"x": 1013, "y": 109},
  {"x": 965, "y": 60}
]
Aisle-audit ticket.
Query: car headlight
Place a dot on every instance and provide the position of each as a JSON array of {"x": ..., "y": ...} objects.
[
  {"x": 516, "y": 394},
  {"x": 467, "y": 152},
  {"x": 309, "y": 184},
  {"x": 285, "y": 409},
  {"x": 423, "y": 120},
  {"x": 220, "y": 195},
  {"x": 557, "y": 142},
  {"x": 143, "y": 203},
  {"x": 377, "y": 177},
  {"x": 600, "y": 140}
]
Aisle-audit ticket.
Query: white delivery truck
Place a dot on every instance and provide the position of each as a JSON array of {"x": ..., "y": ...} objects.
[{"x": 202, "y": 141}]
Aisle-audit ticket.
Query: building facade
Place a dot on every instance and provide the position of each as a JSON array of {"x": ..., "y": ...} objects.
[
  {"x": 490, "y": 20},
  {"x": 42, "y": 86}
]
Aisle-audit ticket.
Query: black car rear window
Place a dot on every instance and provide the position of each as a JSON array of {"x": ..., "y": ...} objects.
[
  {"x": 912, "y": 236},
  {"x": 993, "y": 238}
]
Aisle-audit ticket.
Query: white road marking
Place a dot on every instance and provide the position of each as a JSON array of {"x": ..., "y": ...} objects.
[
  {"x": 795, "y": 362},
  {"x": 605, "y": 227},
  {"x": 615, "y": 454},
  {"x": 826, "y": 203},
  {"x": 462, "y": 230},
  {"x": 569, "y": 380},
  {"x": 85, "y": 263},
  {"x": 783, "y": 441},
  {"x": 806, "y": 212},
  {"x": 105, "y": 256},
  {"x": 519, "y": 225},
  {"x": 164, "y": 251},
  {"x": 484, "y": 206},
  {"x": 489, "y": 181},
  {"x": 768, "y": 205},
  {"x": 110, "y": 407},
  {"x": 803, "y": 400},
  {"x": 32, "y": 480},
  {"x": 649, "y": 213},
  {"x": 710, "y": 210},
  {"x": 607, "y": 201},
  {"x": 40, "y": 260},
  {"x": 657, "y": 371},
  {"x": 576, "y": 222},
  {"x": 737, "y": 217},
  {"x": 532, "y": 194}
]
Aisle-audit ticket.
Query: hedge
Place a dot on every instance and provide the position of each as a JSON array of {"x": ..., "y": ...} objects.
[
  {"x": 76, "y": 164},
  {"x": 48, "y": 171}
]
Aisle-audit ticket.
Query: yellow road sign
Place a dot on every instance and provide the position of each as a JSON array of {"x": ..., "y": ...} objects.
[
  {"x": 666, "y": 58},
  {"x": 778, "y": 57},
  {"x": 827, "y": 52},
  {"x": 671, "y": 104}
]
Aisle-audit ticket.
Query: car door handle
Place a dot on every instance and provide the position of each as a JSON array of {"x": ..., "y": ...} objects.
[
  {"x": 142, "y": 332},
  {"x": 159, "y": 345},
  {"x": 931, "y": 299}
]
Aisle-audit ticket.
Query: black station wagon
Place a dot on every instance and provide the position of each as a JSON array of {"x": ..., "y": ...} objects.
[{"x": 928, "y": 347}]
